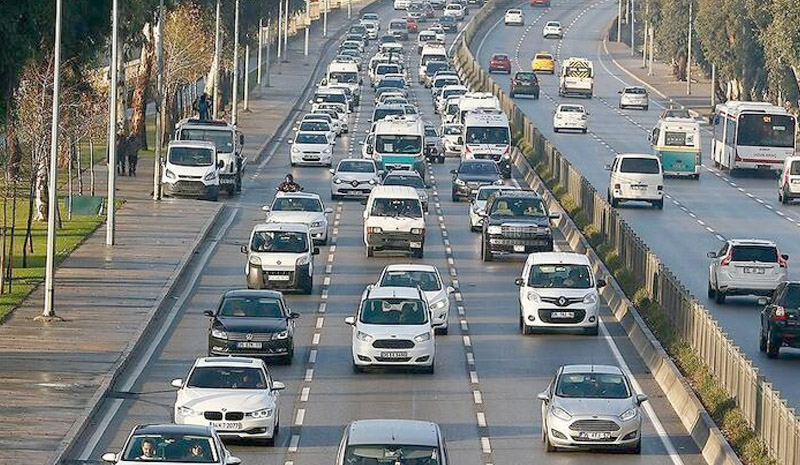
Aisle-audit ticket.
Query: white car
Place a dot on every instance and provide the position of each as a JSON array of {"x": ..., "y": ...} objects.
[
  {"x": 371, "y": 18},
  {"x": 746, "y": 267},
  {"x": 558, "y": 290},
  {"x": 634, "y": 97},
  {"x": 789, "y": 181},
  {"x": 456, "y": 10},
  {"x": 514, "y": 17},
  {"x": 477, "y": 206},
  {"x": 553, "y": 29},
  {"x": 447, "y": 92},
  {"x": 338, "y": 120},
  {"x": 372, "y": 30},
  {"x": 280, "y": 256},
  {"x": 300, "y": 207},
  {"x": 321, "y": 115},
  {"x": 354, "y": 177},
  {"x": 234, "y": 395},
  {"x": 318, "y": 127},
  {"x": 427, "y": 278},
  {"x": 423, "y": 38},
  {"x": 636, "y": 177},
  {"x": 171, "y": 444},
  {"x": 451, "y": 134},
  {"x": 439, "y": 31},
  {"x": 394, "y": 220},
  {"x": 401, "y": 4},
  {"x": 570, "y": 116},
  {"x": 310, "y": 148},
  {"x": 392, "y": 327}
]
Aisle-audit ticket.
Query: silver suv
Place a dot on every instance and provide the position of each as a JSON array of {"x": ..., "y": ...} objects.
[
  {"x": 745, "y": 267},
  {"x": 392, "y": 441}
]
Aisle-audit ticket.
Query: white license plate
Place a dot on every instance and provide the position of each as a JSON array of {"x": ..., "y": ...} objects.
[
  {"x": 226, "y": 180},
  {"x": 311, "y": 157},
  {"x": 226, "y": 425},
  {"x": 248, "y": 345},
  {"x": 796, "y": 181},
  {"x": 278, "y": 277},
  {"x": 394, "y": 354},
  {"x": 415, "y": 245},
  {"x": 638, "y": 187},
  {"x": 519, "y": 248},
  {"x": 753, "y": 270},
  {"x": 562, "y": 314},
  {"x": 595, "y": 435}
]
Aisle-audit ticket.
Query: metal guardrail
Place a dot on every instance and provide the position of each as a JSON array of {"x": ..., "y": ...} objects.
[{"x": 762, "y": 406}]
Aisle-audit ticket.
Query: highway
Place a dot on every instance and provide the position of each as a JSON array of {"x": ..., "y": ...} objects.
[
  {"x": 698, "y": 215},
  {"x": 487, "y": 374}
]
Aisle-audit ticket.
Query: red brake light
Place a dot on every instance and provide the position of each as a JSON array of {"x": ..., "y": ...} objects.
[
  {"x": 617, "y": 187},
  {"x": 726, "y": 260},
  {"x": 466, "y": 149},
  {"x": 782, "y": 262},
  {"x": 780, "y": 313}
]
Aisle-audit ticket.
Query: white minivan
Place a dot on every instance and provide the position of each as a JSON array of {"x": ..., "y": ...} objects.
[
  {"x": 636, "y": 177},
  {"x": 394, "y": 220},
  {"x": 789, "y": 182}
]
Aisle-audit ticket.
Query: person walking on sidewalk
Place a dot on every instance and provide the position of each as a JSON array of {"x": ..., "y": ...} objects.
[
  {"x": 133, "y": 159},
  {"x": 203, "y": 106}
]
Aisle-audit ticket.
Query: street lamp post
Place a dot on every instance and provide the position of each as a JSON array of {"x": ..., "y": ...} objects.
[
  {"x": 269, "y": 49},
  {"x": 619, "y": 22},
  {"x": 235, "y": 105},
  {"x": 280, "y": 26},
  {"x": 308, "y": 28},
  {"x": 689, "y": 53},
  {"x": 260, "y": 48},
  {"x": 159, "y": 103},
  {"x": 286, "y": 31},
  {"x": 325, "y": 20},
  {"x": 112, "y": 127},
  {"x": 633, "y": 29},
  {"x": 216, "y": 101}
]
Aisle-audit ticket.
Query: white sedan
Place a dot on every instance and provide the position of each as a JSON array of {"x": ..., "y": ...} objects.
[
  {"x": 234, "y": 395},
  {"x": 514, "y": 17},
  {"x": 570, "y": 116},
  {"x": 427, "y": 278},
  {"x": 553, "y": 29},
  {"x": 301, "y": 207},
  {"x": 311, "y": 148}
]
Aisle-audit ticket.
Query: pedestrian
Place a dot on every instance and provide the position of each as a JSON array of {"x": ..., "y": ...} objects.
[
  {"x": 203, "y": 106},
  {"x": 133, "y": 159},
  {"x": 122, "y": 148}
]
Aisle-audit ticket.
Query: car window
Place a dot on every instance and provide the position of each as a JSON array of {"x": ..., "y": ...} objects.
[
  {"x": 754, "y": 253},
  {"x": 791, "y": 298},
  {"x": 510, "y": 207},
  {"x": 635, "y": 90},
  {"x": 477, "y": 168},
  {"x": 355, "y": 166},
  {"x": 639, "y": 165},
  {"x": 393, "y": 207},
  {"x": 227, "y": 378},
  {"x": 453, "y": 130},
  {"x": 570, "y": 109},
  {"x": 251, "y": 307},
  {"x": 296, "y": 204},
  {"x": 391, "y": 454},
  {"x": 592, "y": 386},
  {"x": 544, "y": 57},
  {"x": 311, "y": 138},
  {"x": 171, "y": 448},
  {"x": 425, "y": 280},
  {"x": 191, "y": 156},
  {"x": 222, "y": 139},
  {"x": 279, "y": 242},
  {"x": 795, "y": 168},
  {"x": 559, "y": 277},
  {"x": 393, "y": 312}
]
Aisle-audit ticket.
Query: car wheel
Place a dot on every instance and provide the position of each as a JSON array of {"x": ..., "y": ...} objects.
[
  {"x": 614, "y": 202},
  {"x": 512, "y": 94},
  {"x": 659, "y": 204},
  {"x": 646, "y": 107},
  {"x": 370, "y": 251},
  {"x": 454, "y": 197},
  {"x": 773, "y": 346},
  {"x": 307, "y": 285},
  {"x": 593, "y": 331},
  {"x": 637, "y": 449},
  {"x": 335, "y": 196},
  {"x": 584, "y": 130},
  {"x": 762, "y": 341},
  {"x": 719, "y": 297},
  {"x": 783, "y": 197},
  {"x": 555, "y": 129},
  {"x": 441, "y": 330},
  {"x": 486, "y": 253},
  {"x": 418, "y": 253},
  {"x": 429, "y": 369},
  {"x": 255, "y": 279},
  {"x": 548, "y": 447},
  {"x": 288, "y": 358},
  {"x": 711, "y": 292},
  {"x": 357, "y": 368}
]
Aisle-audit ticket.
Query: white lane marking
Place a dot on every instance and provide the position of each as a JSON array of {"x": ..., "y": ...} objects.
[
  {"x": 322, "y": 307},
  {"x": 294, "y": 442},
  {"x": 467, "y": 341},
  {"x": 473, "y": 377},
  {"x": 309, "y": 375},
  {"x": 315, "y": 339},
  {"x": 300, "y": 417},
  {"x": 320, "y": 322},
  {"x": 481, "y": 417},
  {"x": 486, "y": 446},
  {"x": 312, "y": 356},
  {"x": 304, "y": 394},
  {"x": 477, "y": 397},
  {"x": 470, "y": 358}
]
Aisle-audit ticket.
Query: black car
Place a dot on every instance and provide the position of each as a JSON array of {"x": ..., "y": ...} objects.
[
  {"x": 472, "y": 174},
  {"x": 389, "y": 38},
  {"x": 525, "y": 83},
  {"x": 254, "y": 323},
  {"x": 780, "y": 319},
  {"x": 516, "y": 222},
  {"x": 361, "y": 31},
  {"x": 448, "y": 23}
]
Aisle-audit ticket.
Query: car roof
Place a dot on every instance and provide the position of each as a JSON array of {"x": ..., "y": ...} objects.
[
  {"x": 382, "y": 292},
  {"x": 267, "y": 293},
  {"x": 517, "y": 193},
  {"x": 395, "y": 192},
  {"x": 558, "y": 258},
  {"x": 227, "y": 362},
  {"x": 297, "y": 195},
  {"x": 637, "y": 155},
  {"x": 607, "y": 369},
  {"x": 762, "y": 242},
  {"x": 410, "y": 267},
  {"x": 204, "y": 144},
  {"x": 289, "y": 227},
  {"x": 405, "y": 432},
  {"x": 172, "y": 428}
]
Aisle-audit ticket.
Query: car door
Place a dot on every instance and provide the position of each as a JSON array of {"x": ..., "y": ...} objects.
[{"x": 714, "y": 266}]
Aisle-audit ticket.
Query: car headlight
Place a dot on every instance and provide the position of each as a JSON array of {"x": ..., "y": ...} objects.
[
  {"x": 494, "y": 229},
  {"x": 561, "y": 414},
  {"x": 210, "y": 176},
  {"x": 170, "y": 175},
  {"x": 362, "y": 336},
  {"x": 263, "y": 413},
  {"x": 296, "y": 149},
  {"x": 303, "y": 260},
  {"x": 219, "y": 333},
  {"x": 418, "y": 231},
  {"x": 326, "y": 151},
  {"x": 629, "y": 414},
  {"x": 317, "y": 224},
  {"x": 438, "y": 305},
  {"x": 374, "y": 230},
  {"x": 534, "y": 297},
  {"x": 373, "y": 181},
  {"x": 185, "y": 411},
  {"x": 254, "y": 260},
  {"x": 590, "y": 298},
  {"x": 459, "y": 182},
  {"x": 337, "y": 181},
  {"x": 423, "y": 337},
  {"x": 281, "y": 335}
]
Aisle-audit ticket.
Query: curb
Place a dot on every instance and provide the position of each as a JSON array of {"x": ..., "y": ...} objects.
[{"x": 110, "y": 378}]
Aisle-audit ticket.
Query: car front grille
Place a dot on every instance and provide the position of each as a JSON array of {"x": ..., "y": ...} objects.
[
  {"x": 195, "y": 187},
  {"x": 393, "y": 344},
  {"x": 567, "y": 301},
  {"x": 594, "y": 425},
  {"x": 234, "y": 416},
  {"x": 213, "y": 416},
  {"x": 392, "y": 359},
  {"x": 521, "y": 232},
  {"x": 545, "y": 315},
  {"x": 254, "y": 337}
]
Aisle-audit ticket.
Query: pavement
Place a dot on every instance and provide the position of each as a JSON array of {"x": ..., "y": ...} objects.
[{"x": 54, "y": 373}]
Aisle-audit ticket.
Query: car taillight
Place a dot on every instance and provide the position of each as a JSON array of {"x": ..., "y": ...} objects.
[
  {"x": 617, "y": 187},
  {"x": 726, "y": 260},
  {"x": 782, "y": 262},
  {"x": 697, "y": 159},
  {"x": 780, "y": 313}
]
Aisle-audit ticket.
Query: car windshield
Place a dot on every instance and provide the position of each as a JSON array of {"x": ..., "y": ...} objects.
[
  {"x": 333, "y": 98},
  {"x": 222, "y": 138},
  {"x": 311, "y": 138},
  {"x": 560, "y": 277},
  {"x": 676, "y": 113},
  {"x": 316, "y": 126},
  {"x": 794, "y": 170},
  {"x": 346, "y": 77},
  {"x": 251, "y": 307},
  {"x": 445, "y": 81},
  {"x": 433, "y": 66},
  {"x": 431, "y": 132},
  {"x": 426, "y": 36},
  {"x": 296, "y": 204},
  {"x": 592, "y": 386},
  {"x": 447, "y": 19},
  {"x": 173, "y": 448},
  {"x": 478, "y": 168},
  {"x": 370, "y": 16},
  {"x": 391, "y": 82},
  {"x": 570, "y": 109},
  {"x": 640, "y": 165},
  {"x": 525, "y": 207},
  {"x": 211, "y": 377},
  {"x": 452, "y": 130},
  {"x": 387, "y": 69},
  {"x": 394, "y": 311},
  {"x": 754, "y": 253},
  {"x": 386, "y": 143},
  {"x": 487, "y": 135},
  {"x": 447, "y": 93},
  {"x": 391, "y": 455},
  {"x": 766, "y": 131},
  {"x": 543, "y": 57},
  {"x": 391, "y": 207},
  {"x": 500, "y": 57},
  {"x": 279, "y": 242},
  {"x": 356, "y": 166},
  {"x": 525, "y": 77},
  {"x": 425, "y": 280},
  {"x": 404, "y": 180},
  {"x": 191, "y": 156},
  {"x": 553, "y": 24}
]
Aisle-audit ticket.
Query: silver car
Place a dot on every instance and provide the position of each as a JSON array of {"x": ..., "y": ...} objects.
[
  {"x": 354, "y": 177},
  {"x": 591, "y": 407},
  {"x": 634, "y": 97},
  {"x": 393, "y": 441}
]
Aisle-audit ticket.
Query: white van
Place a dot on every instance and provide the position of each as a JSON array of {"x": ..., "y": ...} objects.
[
  {"x": 431, "y": 53},
  {"x": 487, "y": 135},
  {"x": 474, "y": 100},
  {"x": 789, "y": 182},
  {"x": 394, "y": 220},
  {"x": 229, "y": 142},
  {"x": 191, "y": 170},
  {"x": 346, "y": 74},
  {"x": 638, "y": 177}
]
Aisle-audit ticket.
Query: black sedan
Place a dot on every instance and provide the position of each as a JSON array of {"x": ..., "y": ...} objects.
[
  {"x": 780, "y": 319},
  {"x": 471, "y": 175},
  {"x": 255, "y": 323},
  {"x": 449, "y": 23},
  {"x": 525, "y": 83}
]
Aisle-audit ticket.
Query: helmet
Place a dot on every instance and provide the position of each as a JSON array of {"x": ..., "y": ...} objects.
[{"x": 289, "y": 178}]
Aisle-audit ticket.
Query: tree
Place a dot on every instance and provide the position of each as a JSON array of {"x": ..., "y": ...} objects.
[
  {"x": 671, "y": 33},
  {"x": 781, "y": 42}
]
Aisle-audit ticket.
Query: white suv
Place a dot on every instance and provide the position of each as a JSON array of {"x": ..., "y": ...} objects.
[
  {"x": 558, "y": 290},
  {"x": 280, "y": 256},
  {"x": 301, "y": 207},
  {"x": 394, "y": 220},
  {"x": 745, "y": 267},
  {"x": 427, "y": 278},
  {"x": 392, "y": 327}
]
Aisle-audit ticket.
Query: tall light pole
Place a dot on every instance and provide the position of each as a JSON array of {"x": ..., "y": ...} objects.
[
  {"x": 269, "y": 48},
  {"x": 633, "y": 29},
  {"x": 349, "y": 9},
  {"x": 280, "y": 26},
  {"x": 49, "y": 313},
  {"x": 235, "y": 105},
  {"x": 112, "y": 127},
  {"x": 619, "y": 22},
  {"x": 286, "y": 31},
  {"x": 159, "y": 103},
  {"x": 325, "y": 19},
  {"x": 308, "y": 28},
  {"x": 260, "y": 48},
  {"x": 215, "y": 100},
  {"x": 689, "y": 53}
]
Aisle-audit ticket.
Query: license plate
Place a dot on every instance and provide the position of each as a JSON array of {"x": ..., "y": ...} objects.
[
  {"x": 311, "y": 157},
  {"x": 415, "y": 245},
  {"x": 562, "y": 314},
  {"x": 753, "y": 270},
  {"x": 394, "y": 354},
  {"x": 795, "y": 181},
  {"x": 278, "y": 277},
  {"x": 353, "y": 192},
  {"x": 519, "y": 248},
  {"x": 226, "y": 425},
  {"x": 638, "y": 187},
  {"x": 226, "y": 180},
  {"x": 248, "y": 345},
  {"x": 594, "y": 435}
]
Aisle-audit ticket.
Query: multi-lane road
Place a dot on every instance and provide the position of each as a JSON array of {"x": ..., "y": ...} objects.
[
  {"x": 698, "y": 214},
  {"x": 483, "y": 392}
]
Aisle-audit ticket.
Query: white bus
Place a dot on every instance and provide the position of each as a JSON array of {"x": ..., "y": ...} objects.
[{"x": 752, "y": 135}]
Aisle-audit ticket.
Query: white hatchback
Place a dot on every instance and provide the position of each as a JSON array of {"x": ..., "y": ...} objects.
[
  {"x": 570, "y": 116},
  {"x": 427, "y": 278},
  {"x": 456, "y": 10},
  {"x": 311, "y": 148},
  {"x": 300, "y": 207},
  {"x": 514, "y": 17},
  {"x": 746, "y": 267},
  {"x": 553, "y": 29},
  {"x": 789, "y": 182}
]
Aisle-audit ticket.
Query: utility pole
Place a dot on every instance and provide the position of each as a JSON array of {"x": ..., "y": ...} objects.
[
  {"x": 112, "y": 127},
  {"x": 160, "y": 103},
  {"x": 49, "y": 313},
  {"x": 652, "y": 49},
  {"x": 308, "y": 28},
  {"x": 269, "y": 48},
  {"x": 633, "y": 30},
  {"x": 280, "y": 26},
  {"x": 235, "y": 105},
  {"x": 689, "y": 53},
  {"x": 619, "y": 22},
  {"x": 646, "y": 32},
  {"x": 286, "y": 31},
  {"x": 216, "y": 101},
  {"x": 246, "y": 77},
  {"x": 713, "y": 86},
  {"x": 260, "y": 48},
  {"x": 349, "y": 9},
  {"x": 325, "y": 19}
]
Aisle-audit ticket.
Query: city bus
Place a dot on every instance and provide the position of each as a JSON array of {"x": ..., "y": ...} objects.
[{"x": 752, "y": 135}]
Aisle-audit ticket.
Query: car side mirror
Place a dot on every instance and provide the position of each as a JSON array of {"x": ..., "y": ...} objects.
[
  {"x": 451, "y": 290},
  {"x": 601, "y": 283},
  {"x": 208, "y": 313},
  {"x": 711, "y": 255},
  {"x": 331, "y": 171},
  {"x": 315, "y": 251},
  {"x": 641, "y": 398},
  {"x": 543, "y": 396},
  {"x": 278, "y": 386},
  {"x": 109, "y": 457},
  {"x": 241, "y": 139},
  {"x": 266, "y": 208},
  {"x": 607, "y": 167},
  {"x": 244, "y": 249},
  {"x": 763, "y": 301},
  {"x": 290, "y": 141},
  {"x": 311, "y": 102},
  {"x": 619, "y": 92},
  {"x": 361, "y": 142},
  {"x": 369, "y": 149},
  {"x": 233, "y": 461},
  {"x": 350, "y": 320},
  {"x": 785, "y": 256},
  {"x": 518, "y": 282},
  {"x": 328, "y": 211},
  {"x": 453, "y": 172},
  {"x": 177, "y": 383}
]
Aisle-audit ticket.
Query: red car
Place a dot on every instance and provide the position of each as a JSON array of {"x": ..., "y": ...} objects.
[
  {"x": 540, "y": 3},
  {"x": 500, "y": 62},
  {"x": 412, "y": 25}
]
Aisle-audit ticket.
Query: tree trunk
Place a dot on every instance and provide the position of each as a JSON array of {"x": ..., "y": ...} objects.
[
  {"x": 5, "y": 227},
  {"x": 27, "y": 244},
  {"x": 41, "y": 190},
  {"x": 10, "y": 270},
  {"x": 91, "y": 166},
  {"x": 140, "y": 92}
]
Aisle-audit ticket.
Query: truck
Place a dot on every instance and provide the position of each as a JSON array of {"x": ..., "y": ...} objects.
[
  {"x": 576, "y": 77},
  {"x": 229, "y": 142}
]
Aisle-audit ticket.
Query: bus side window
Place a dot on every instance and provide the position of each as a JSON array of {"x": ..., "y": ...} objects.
[{"x": 718, "y": 128}]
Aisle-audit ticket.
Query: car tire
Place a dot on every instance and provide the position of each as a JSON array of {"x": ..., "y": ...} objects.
[
  {"x": 486, "y": 253},
  {"x": 307, "y": 284},
  {"x": 762, "y": 341},
  {"x": 659, "y": 204},
  {"x": 548, "y": 447},
  {"x": 636, "y": 449},
  {"x": 593, "y": 331},
  {"x": 454, "y": 197},
  {"x": 711, "y": 293},
  {"x": 613, "y": 201},
  {"x": 288, "y": 358},
  {"x": 358, "y": 368},
  {"x": 255, "y": 279},
  {"x": 646, "y": 107},
  {"x": 584, "y": 130},
  {"x": 418, "y": 253},
  {"x": 335, "y": 196},
  {"x": 370, "y": 251},
  {"x": 511, "y": 94},
  {"x": 555, "y": 129},
  {"x": 719, "y": 297},
  {"x": 783, "y": 197},
  {"x": 773, "y": 346},
  {"x": 441, "y": 331},
  {"x": 429, "y": 370}
]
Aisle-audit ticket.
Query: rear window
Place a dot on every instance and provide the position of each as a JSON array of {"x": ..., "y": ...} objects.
[
  {"x": 635, "y": 90},
  {"x": 795, "y": 168},
  {"x": 639, "y": 165},
  {"x": 544, "y": 57},
  {"x": 500, "y": 57},
  {"x": 754, "y": 253},
  {"x": 792, "y": 297}
]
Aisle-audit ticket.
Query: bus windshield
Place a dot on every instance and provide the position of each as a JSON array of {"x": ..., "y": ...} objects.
[
  {"x": 487, "y": 135},
  {"x": 408, "y": 144},
  {"x": 759, "y": 130}
]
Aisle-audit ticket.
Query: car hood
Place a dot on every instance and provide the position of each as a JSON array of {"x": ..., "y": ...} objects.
[
  {"x": 541, "y": 221},
  {"x": 394, "y": 223},
  {"x": 295, "y": 217},
  {"x": 312, "y": 147},
  {"x": 240, "y": 400},
  {"x": 393, "y": 331},
  {"x": 347, "y": 177},
  {"x": 591, "y": 407},
  {"x": 272, "y": 259},
  {"x": 252, "y": 325},
  {"x": 487, "y": 178}
]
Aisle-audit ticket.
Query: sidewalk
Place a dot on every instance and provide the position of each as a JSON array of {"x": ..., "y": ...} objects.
[
  {"x": 53, "y": 373},
  {"x": 662, "y": 82}
]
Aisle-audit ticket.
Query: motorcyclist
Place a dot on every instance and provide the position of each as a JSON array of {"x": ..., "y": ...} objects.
[{"x": 288, "y": 185}]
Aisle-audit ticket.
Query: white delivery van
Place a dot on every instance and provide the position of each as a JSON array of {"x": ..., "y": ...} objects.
[
  {"x": 229, "y": 142},
  {"x": 191, "y": 170},
  {"x": 474, "y": 100},
  {"x": 637, "y": 177},
  {"x": 487, "y": 135},
  {"x": 576, "y": 77},
  {"x": 431, "y": 53},
  {"x": 347, "y": 74},
  {"x": 399, "y": 144},
  {"x": 394, "y": 220}
]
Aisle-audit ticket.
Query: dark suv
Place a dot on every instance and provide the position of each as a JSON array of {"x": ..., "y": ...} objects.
[
  {"x": 525, "y": 83},
  {"x": 516, "y": 222},
  {"x": 780, "y": 319},
  {"x": 471, "y": 175}
]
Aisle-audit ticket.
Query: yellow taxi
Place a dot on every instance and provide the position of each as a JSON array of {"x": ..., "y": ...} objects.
[{"x": 543, "y": 62}]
